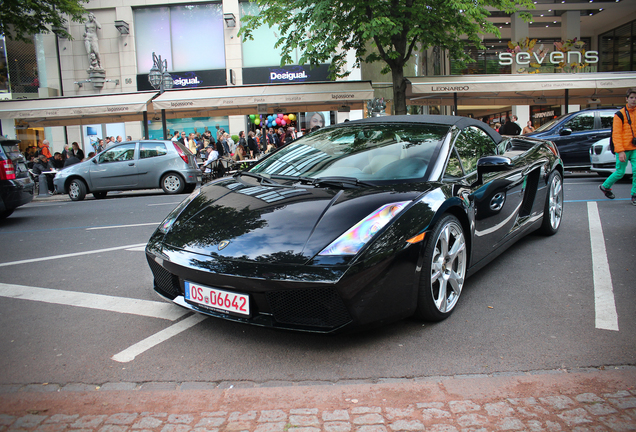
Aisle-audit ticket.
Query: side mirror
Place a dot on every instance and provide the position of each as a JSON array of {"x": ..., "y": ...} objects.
[
  {"x": 94, "y": 160},
  {"x": 490, "y": 164},
  {"x": 565, "y": 131}
]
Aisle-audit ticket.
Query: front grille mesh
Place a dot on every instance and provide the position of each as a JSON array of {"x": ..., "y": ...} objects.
[
  {"x": 166, "y": 283},
  {"x": 320, "y": 307}
]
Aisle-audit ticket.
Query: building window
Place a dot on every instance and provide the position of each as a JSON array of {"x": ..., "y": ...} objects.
[
  {"x": 189, "y": 37},
  {"x": 482, "y": 61},
  {"x": 22, "y": 68},
  {"x": 617, "y": 48},
  {"x": 260, "y": 51}
]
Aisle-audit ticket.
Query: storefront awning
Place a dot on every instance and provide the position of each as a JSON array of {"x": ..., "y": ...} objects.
[
  {"x": 521, "y": 89},
  {"x": 78, "y": 110},
  {"x": 262, "y": 99}
]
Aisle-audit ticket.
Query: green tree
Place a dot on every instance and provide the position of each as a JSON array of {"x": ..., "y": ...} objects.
[
  {"x": 20, "y": 19},
  {"x": 325, "y": 30}
]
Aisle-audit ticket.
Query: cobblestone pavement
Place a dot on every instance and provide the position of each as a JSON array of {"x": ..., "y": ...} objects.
[{"x": 584, "y": 400}]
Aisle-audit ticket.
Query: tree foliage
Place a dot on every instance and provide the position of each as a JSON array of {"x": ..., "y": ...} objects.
[
  {"x": 19, "y": 19},
  {"x": 387, "y": 31}
]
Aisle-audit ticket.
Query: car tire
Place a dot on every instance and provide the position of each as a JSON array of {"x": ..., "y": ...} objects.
[
  {"x": 172, "y": 183},
  {"x": 100, "y": 195},
  {"x": 77, "y": 190},
  {"x": 553, "y": 209},
  {"x": 443, "y": 270},
  {"x": 6, "y": 213}
]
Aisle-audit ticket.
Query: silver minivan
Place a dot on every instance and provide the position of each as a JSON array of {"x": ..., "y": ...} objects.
[{"x": 144, "y": 164}]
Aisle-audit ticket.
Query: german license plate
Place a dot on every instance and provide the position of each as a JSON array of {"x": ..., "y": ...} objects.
[
  {"x": 199, "y": 178},
  {"x": 217, "y": 299}
]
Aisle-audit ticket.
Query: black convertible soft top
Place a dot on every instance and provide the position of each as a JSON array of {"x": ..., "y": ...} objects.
[{"x": 460, "y": 122}]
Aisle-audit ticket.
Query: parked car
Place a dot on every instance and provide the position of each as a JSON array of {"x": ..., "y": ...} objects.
[
  {"x": 132, "y": 165},
  {"x": 16, "y": 186},
  {"x": 357, "y": 224},
  {"x": 603, "y": 160},
  {"x": 574, "y": 133}
]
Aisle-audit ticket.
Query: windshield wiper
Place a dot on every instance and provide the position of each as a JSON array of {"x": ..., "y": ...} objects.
[
  {"x": 261, "y": 178},
  {"x": 301, "y": 179},
  {"x": 342, "y": 182},
  {"x": 333, "y": 181}
]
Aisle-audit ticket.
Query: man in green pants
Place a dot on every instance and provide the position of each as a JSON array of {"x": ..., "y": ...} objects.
[{"x": 624, "y": 138}]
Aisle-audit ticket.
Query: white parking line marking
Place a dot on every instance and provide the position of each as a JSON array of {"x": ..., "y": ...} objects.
[
  {"x": 604, "y": 304},
  {"x": 124, "y": 305},
  {"x": 130, "y": 353},
  {"x": 137, "y": 249},
  {"x": 122, "y": 226},
  {"x": 27, "y": 261}
]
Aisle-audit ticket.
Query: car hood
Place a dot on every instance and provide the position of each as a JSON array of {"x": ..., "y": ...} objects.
[
  {"x": 542, "y": 134},
  {"x": 274, "y": 224},
  {"x": 79, "y": 167}
]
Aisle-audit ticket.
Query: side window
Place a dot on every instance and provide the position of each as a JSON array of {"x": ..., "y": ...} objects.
[
  {"x": 472, "y": 144},
  {"x": 120, "y": 153},
  {"x": 607, "y": 118},
  {"x": 148, "y": 150},
  {"x": 454, "y": 167},
  {"x": 581, "y": 122}
]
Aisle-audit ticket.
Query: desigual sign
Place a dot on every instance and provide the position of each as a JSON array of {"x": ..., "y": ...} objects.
[
  {"x": 288, "y": 76},
  {"x": 188, "y": 79},
  {"x": 554, "y": 58}
]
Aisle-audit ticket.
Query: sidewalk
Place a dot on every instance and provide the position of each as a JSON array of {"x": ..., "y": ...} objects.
[{"x": 581, "y": 400}]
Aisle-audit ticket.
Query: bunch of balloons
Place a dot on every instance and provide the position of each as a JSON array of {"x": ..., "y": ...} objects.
[
  {"x": 272, "y": 120},
  {"x": 255, "y": 119},
  {"x": 276, "y": 120}
]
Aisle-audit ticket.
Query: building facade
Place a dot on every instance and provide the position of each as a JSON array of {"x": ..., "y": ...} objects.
[{"x": 112, "y": 54}]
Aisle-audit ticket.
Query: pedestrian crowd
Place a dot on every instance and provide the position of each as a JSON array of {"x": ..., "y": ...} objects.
[
  {"x": 235, "y": 149},
  {"x": 511, "y": 127},
  {"x": 222, "y": 145},
  {"x": 207, "y": 146}
]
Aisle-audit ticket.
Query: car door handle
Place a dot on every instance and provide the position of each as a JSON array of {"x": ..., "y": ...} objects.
[{"x": 131, "y": 164}]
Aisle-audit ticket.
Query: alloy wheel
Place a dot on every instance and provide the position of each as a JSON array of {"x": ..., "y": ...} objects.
[
  {"x": 448, "y": 267},
  {"x": 555, "y": 206}
]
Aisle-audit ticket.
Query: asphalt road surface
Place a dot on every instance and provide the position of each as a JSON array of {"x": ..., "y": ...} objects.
[{"x": 77, "y": 306}]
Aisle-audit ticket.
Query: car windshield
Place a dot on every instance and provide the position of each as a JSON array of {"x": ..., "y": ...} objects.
[
  {"x": 364, "y": 152},
  {"x": 550, "y": 124}
]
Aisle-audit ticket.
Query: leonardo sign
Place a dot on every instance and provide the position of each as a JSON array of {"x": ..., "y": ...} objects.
[{"x": 450, "y": 89}]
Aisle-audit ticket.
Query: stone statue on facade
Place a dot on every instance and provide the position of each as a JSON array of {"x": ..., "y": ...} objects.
[{"x": 91, "y": 42}]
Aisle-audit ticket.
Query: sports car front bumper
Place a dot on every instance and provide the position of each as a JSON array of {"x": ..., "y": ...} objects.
[{"x": 323, "y": 299}]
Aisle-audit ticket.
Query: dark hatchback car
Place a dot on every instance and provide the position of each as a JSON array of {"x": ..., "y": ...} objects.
[
  {"x": 16, "y": 186},
  {"x": 574, "y": 134}
]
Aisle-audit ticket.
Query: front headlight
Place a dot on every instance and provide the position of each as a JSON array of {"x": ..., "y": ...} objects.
[
  {"x": 357, "y": 236},
  {"x": 165, "y": 226}
]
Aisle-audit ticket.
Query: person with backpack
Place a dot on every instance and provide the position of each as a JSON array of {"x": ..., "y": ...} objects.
[{"x": 624, "y": 141}]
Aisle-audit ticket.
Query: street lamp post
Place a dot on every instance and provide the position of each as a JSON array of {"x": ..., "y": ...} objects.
[{"x": 160, "y": 79}]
